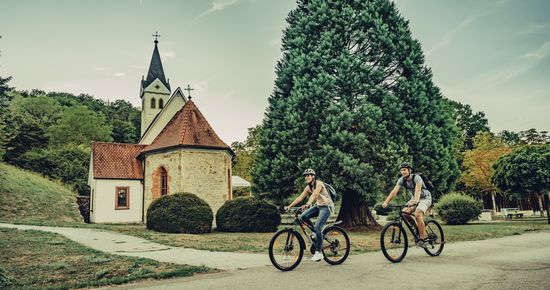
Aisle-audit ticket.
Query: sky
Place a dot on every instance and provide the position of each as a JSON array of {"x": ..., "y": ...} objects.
[{"x": 490, "y": 54}]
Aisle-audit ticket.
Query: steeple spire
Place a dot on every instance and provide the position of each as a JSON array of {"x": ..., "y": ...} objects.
[{"x": 155, "y": 68}]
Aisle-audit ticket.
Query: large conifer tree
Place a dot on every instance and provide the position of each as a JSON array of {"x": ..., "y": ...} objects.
[{"x": 352, "y": 99}]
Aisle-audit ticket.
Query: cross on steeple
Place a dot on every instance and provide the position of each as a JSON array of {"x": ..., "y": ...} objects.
[
  {"x": 188, "y": 89},
  {"x": 156, "y": 35}
]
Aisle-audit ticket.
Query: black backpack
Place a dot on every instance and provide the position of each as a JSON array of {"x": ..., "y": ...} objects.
[
  {"x": 427, "y": 182},
  {"x": 331, "y": 192}
]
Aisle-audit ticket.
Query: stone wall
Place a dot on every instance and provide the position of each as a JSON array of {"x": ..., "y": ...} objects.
[{"x": 203, "y": 172}]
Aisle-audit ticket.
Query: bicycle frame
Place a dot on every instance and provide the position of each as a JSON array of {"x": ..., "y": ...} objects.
[{"x": 402, "y": 220}]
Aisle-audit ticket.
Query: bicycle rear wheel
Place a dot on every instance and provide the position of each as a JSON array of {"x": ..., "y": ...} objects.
[
  {"x": 435, "y": 240},
  {"x": 394, "y": 242},
  {"x": 335, "y": 245},
  {"x": 286, "y": 249}
]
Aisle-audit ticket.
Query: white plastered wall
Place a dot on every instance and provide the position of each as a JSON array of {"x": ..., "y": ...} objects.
[{"x": 102, "y": 207}]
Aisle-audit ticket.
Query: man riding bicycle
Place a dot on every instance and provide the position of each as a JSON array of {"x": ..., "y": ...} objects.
[
  {"x": 323, "y": 209},
  {"x": 421, "y": 198}
]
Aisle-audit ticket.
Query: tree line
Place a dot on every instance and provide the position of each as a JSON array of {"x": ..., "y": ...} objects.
[{"x": 51, "y": 133}]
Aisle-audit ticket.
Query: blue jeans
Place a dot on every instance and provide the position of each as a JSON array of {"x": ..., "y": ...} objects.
[{"x": 322, "y": 213}]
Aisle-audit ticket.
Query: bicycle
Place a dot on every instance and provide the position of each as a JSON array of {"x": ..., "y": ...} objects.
[
  {"x": 394, "y": 241},
  {"x": 287, "y": 246}
]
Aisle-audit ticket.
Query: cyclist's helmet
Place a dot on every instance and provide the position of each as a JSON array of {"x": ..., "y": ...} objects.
[
  {"x": 405, "y": 165},
  {"x": 308, "y": 171}
]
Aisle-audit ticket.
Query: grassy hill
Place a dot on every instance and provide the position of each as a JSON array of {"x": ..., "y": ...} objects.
[{"x": 27, "y": 197}]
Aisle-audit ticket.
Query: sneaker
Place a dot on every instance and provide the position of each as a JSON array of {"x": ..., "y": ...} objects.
[
  {"x": 318, "y": 256},
  {"x": 421, "y": 243}
]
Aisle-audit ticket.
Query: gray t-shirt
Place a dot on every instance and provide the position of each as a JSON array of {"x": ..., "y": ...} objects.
[{"x": 409, "y": 187}]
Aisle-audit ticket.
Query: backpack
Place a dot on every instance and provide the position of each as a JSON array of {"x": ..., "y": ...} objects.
[
  {"x": 427, "y": 182},
  {"x": 331, "y": 192}
]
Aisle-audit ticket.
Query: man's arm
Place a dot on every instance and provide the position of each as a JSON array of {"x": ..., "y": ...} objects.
[
  {"x": 417, "y": 190},
  {"x": 392, "y": 194}
]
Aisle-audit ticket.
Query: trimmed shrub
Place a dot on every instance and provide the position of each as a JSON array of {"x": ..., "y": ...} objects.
[
  {"x": 380, "y": 210},
  {"x": 457, "y": 209},
  {"x": 180, "y": 213},
  {"x": 247, "y": 214}
]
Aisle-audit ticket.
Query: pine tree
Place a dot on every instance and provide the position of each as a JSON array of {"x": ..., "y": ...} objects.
[{"x": 352, "y": 99}]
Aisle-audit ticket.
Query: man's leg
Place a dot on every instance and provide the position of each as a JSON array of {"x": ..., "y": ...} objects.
[
  {"x": 419, "y": 215},
  {"x": 408, "y": 216}
]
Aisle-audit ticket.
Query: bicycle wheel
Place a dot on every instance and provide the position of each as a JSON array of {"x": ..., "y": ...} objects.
[
  {"x": 394, "y": 242},
  {"x": 286, "y": 249},
  {"x": 435, "y": 239},
  {"x": 335, "y": 245}
]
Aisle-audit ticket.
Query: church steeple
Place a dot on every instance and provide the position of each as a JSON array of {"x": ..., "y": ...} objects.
[
  {"x": 155, "y": 68},
  {"x": 155, "y": 90}
]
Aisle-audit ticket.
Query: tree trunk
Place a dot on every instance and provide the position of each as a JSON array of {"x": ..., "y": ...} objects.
[
  {"x": 548, "y": 208},
  {"x": 494, "y": 203},
  {"x": 540, "y": 205},
  {"x": 355, "y": 213}
]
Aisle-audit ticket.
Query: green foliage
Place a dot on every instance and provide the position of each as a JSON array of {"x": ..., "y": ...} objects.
[
  {"x": 352, "y": 99},
  {"x": 524, "y": 171},
  {"x": 79, "y": 125},
  {"x": 180, "y": 213},
  {"x": 245, "y": 152},
  {"x": 246, "y": 214},
  {"x": 69, "y": 163},
  {"x": 26, "y": 197},
  {"x": 458, "y": 209},
  {"x": 469, "y": 124}
]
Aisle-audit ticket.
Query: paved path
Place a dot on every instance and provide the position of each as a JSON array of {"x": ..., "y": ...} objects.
[
  {"x": 515, "y": 262},
  {"x": 120, "y": 244}
]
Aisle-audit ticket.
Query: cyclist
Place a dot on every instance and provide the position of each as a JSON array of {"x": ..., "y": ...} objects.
[
  {"x": 421, "y": 198},
  {"x": 323, "y": 208}
]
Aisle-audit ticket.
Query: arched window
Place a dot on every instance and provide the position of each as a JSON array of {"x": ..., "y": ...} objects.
[
  {"x": 163, "y": 175},
  {"x": 161, "y": 103},
  {"x": 153, "y": 103}
]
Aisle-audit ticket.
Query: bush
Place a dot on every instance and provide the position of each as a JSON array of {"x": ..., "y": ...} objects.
[
  {"x": 458, "y": 209},
  {"x": 246, "y": 214},
  {"x": 180, "y": 213},
  {"x": 380, "y": 210}
]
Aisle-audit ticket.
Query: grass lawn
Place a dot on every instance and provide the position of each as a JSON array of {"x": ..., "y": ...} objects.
[
  {"x": 35, "y": 259},
  {"x": 361, "y": 241},
  {"x": 27, "y": 197}
]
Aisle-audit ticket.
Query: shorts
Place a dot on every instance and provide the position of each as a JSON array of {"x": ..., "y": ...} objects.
[{"x": 423, "y": 204}]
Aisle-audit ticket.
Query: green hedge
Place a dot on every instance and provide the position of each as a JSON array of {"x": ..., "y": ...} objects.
[
  {"x": 247, "y": 214},
  {"x": 180, "y": 213},
  {"x": 457, "y": 209}
]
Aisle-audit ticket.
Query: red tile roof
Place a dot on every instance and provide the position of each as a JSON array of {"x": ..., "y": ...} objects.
[
  {"x": 188, "y": 127},
  {"x": 116, "y": 160}
]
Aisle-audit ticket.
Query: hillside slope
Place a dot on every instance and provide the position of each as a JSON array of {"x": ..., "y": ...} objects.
[{"x": 27, "y": 197}]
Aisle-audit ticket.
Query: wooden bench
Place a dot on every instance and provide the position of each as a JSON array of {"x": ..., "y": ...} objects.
[{"x": 508, "y": 213}]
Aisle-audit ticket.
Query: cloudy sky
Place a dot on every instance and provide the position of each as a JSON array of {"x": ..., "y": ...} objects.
[{"x": 491, "y": 54}]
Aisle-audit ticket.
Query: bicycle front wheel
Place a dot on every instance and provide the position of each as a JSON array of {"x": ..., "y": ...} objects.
[
  {"x": 286, "y": 249},
  {"x": 435, "y": 240},
  {"x": 394, "y": 242},
  {"x": 335, "y": 245}
]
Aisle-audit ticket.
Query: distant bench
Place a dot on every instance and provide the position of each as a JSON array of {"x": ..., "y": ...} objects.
[{"x": 508, "y": 213}]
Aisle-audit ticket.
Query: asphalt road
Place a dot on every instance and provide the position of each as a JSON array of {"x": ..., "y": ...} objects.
[{"x": 516, "y": 262}]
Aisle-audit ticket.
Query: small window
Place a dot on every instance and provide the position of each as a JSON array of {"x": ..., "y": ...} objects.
[
  {"x": 163, "y": 181},
  {"x": 161, "y": 103},
  {"x": 153, "y": 103},
  {"x": 122, "y": 198}
]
